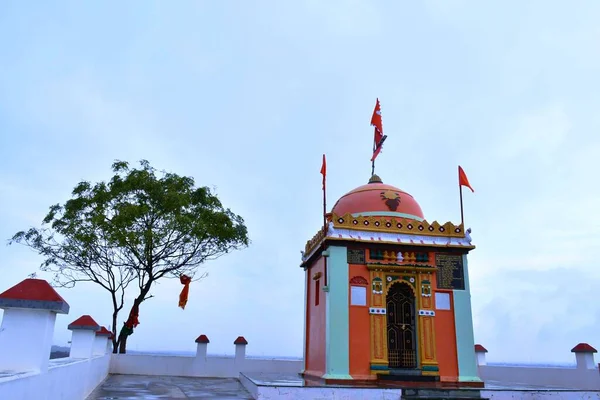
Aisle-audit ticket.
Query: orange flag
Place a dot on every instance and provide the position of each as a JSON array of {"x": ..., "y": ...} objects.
[
  {"x": 183, "y": 297},
  {"x": 378, "y": 137},
  {"x": 324, "y": 170},
  {"x": 376, "y": 122},
  {"x": 462, "y": 179}
]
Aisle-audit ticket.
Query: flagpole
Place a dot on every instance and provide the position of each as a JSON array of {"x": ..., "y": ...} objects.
[
  {"x": 462, "y": 217},
  {"x": 324, "y": 207},
  {"x": 373, "y": 162},
  {"x": 324, "y": 171}
]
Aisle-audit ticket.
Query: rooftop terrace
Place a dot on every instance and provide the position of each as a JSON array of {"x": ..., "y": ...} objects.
[{"x": 92, "y": 372}]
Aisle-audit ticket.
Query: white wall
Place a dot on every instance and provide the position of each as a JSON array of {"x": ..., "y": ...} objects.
[
  {"x": 566, "y": 378},
  {"x": 217, "y": 367},
  {"x": 66, "y": 379}
]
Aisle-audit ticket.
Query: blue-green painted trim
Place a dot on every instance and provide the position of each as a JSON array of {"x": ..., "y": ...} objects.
[
  {"x": 465, "y": 341},
  {"x": 379, "y": 368},
  {"x": 337, "y": 319},
  {"x": 430, "y": 368},
  {"x": 387, "y": 214}
]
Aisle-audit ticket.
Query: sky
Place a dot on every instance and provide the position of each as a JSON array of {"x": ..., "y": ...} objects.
[{"x": 246, "y": 97}]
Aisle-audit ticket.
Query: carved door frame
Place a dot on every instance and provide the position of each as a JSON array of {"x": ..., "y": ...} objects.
[{"x": 401, "y": 326}]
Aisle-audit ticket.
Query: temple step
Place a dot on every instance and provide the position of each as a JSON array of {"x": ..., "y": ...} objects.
[
  {"x": 439, "y": 394},
  {"x": 407, "y": 376}
]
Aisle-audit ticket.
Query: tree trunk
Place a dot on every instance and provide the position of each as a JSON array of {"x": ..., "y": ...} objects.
[
  {"x": 132, "y": 320},
  {"x": 122, "y": 343},
  {"x": 114, "y": 331}
]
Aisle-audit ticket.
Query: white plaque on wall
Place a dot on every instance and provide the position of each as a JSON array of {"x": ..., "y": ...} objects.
[
  {"x": 358, "y": 296},
  {"x": 442, "y": 301}
]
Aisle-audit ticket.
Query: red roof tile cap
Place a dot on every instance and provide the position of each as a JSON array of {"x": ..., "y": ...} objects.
[
  {"x": 202, "y": 339},
  {"x": 480, "y": 349},
  {"x": 34, "y": 294},
  {"x": 583, "y": 348},
  {"x": 240, "y": 340},
  {"x": 84, "y": 322},
  {"x": 104, "y": 332}
]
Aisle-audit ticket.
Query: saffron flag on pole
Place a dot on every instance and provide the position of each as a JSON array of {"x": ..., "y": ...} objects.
[
  {"x": 462, "y": 179},
  {"x": 324, "y": 170},
  {"x": 378, "y": 137}
]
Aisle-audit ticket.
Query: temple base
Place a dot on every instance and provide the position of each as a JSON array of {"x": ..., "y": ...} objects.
[{"x": 407, "y": 375}]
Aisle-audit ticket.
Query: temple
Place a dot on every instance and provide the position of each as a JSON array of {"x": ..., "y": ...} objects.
[{"x": 387, "y": 293}]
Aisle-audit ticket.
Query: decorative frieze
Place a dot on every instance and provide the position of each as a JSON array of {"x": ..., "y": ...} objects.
[
  {"x": 398, "y": 237},
  {"x": 377, "y": 310},
  {"x": 397, "y": 225}
]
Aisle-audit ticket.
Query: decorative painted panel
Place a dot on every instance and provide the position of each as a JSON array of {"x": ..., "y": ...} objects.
[
  {"x": 377, "y": 286},
  {"x": 355, "y": 256},
  {"x": 377, "y": 311}
]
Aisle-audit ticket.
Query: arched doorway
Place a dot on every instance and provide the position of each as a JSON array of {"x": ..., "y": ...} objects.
[{"x": 401, "y": 328}]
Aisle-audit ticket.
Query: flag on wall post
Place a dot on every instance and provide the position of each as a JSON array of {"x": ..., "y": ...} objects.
[
  {"x": 378, "y": 136},
  {"x": 462, "y": 181},
  {"x": 324, "y": 170}
]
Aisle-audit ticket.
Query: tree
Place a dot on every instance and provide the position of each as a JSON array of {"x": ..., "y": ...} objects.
[{"x": 138, "y": 227}]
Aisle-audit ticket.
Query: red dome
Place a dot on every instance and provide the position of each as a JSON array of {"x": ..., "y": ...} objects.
[{"x": 378, "y": 199}]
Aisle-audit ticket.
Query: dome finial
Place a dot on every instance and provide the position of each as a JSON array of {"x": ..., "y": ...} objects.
[{"x": 375, "y": 179}]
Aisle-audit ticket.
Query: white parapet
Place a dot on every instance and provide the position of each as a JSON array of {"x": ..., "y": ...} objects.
[
  {"x": 30, "y": 309},
  {"x": 83, "y": 337}
]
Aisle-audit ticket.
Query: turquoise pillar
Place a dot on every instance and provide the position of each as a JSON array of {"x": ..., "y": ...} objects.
[
  {"x": 306, "y": 282},
  {"x": 337, "y": 318},
  {"x": 465, "y": 340}
]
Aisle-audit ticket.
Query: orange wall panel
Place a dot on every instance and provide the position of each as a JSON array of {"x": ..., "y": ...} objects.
[
  {"x": 445, "y": 341},
  {"x": 315, "y": 322},
  {"x": 360, "y": 330}
]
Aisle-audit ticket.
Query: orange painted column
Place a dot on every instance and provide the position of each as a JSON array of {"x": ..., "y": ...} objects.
[
  {"x": 360, "y": 338},
  {"x": 427, "y": 333},
  {"x": 446, "y": 338},
  {"x": 379, "y": 350},
  {"x": 315, "y": 323}
]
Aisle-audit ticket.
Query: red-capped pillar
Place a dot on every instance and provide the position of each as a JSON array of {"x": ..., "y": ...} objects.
[
  {"x": 30, "y": 309},
  {"x": 480, "y": 354},
  {"x": 102, "y": 341},
  {"x": 202, "y": 347},
  {"x": 240, "y": 349},
  {"x": 83, "y": 336},
  {"x": 584, "y": 355}
]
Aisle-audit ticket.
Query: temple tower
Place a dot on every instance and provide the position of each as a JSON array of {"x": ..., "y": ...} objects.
[{"x": 387, "y": 293}]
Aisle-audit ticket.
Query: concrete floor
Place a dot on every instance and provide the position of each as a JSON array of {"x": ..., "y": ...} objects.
[{"x": 130, "y": 387}]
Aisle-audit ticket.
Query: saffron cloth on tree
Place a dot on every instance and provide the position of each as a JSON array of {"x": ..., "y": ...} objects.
[
  {"x": 183, "y": 297},
  {"x": 132, "y": 321}
]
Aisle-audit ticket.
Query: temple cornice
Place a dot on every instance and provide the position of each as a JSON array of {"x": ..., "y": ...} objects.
[{"x": 450, "y": 236}]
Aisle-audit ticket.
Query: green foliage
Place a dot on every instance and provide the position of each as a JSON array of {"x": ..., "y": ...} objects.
[{"x": 140, "y": 225}]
